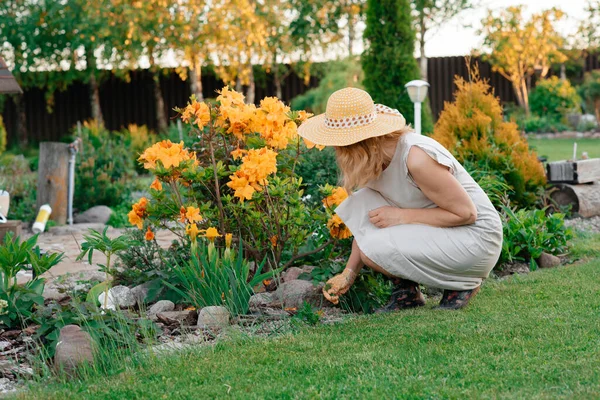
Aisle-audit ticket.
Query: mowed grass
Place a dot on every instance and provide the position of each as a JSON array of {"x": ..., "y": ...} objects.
[
  {"x": 562, "y": 149},
  {"x": 532, "y": 336}
]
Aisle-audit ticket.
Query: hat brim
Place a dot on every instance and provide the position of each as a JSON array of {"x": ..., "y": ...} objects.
[{"x": 315, "y": 131}]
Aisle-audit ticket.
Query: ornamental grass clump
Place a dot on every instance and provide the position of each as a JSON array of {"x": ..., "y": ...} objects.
[{"x": 473, "y": 129}]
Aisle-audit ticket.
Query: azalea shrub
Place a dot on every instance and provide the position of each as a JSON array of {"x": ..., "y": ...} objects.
[
  {"x": 239, "y": 177},
  {"x": 472, "y": 128}
]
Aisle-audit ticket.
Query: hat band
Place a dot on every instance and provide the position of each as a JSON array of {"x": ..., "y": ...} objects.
[{"x": 360, "y": 120}]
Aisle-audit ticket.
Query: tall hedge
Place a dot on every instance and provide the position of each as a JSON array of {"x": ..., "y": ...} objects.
[{"x": 389, "y": 59}]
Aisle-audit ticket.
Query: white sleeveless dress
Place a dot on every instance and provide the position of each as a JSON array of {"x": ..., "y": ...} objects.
[{"x": 454, "y": 258}]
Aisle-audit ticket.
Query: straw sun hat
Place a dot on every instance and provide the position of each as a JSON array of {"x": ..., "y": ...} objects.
[{"x": 351, "y": 116}]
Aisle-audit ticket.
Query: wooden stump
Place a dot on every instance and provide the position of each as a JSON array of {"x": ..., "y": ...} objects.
[
  {"x": 584, "y": 199},
  {"x": 53, "y": 179},
  {"x": 10, "y": 226}
]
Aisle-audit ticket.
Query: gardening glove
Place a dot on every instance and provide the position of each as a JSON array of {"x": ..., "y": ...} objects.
[{"x": 339, "y": 285}]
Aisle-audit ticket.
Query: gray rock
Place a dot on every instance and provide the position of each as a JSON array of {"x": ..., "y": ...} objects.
[
  {"x": 97, "y": 214},
  {"x": 184, "y": 317},
  {"x": 260, "y": 301},
  {"x": 548, "y": 261},
  {"x": 213, "y": 317},
  {"x": 59, "y": 288},
  {"x": 75, "y": 228},
  {"x": 5, "y": 345},
  {"x": 119, "y": 296},
  {"x": 140, "y": 292},
  {"x": 160, "y": 307},
  {"x": 291, "y": 274},
  {"x": 7, "y": 386},
  {"x": 295, "y": 293},
  {"x": 74, "y": 348}
]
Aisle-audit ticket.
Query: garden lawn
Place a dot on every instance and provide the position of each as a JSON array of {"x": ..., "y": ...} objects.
[
  {"x": 562, "y": 149},
  {"x": 533, "y": 336}
]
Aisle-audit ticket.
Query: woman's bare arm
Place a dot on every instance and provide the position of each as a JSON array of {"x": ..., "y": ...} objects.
[{"x": 455, "y": 207}]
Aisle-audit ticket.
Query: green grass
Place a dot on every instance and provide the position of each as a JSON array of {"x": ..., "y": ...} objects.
[
  {"x": 562, "y": 149},
  {"x": 533, "y": 336}
]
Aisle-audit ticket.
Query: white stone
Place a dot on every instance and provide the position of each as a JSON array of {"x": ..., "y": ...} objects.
[
  {"x": 213, "y": 317},
  {"x": 120, "y": 296}
]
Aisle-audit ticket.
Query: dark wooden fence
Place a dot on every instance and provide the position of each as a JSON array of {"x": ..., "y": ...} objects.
[{"x": 132, "y": 102}]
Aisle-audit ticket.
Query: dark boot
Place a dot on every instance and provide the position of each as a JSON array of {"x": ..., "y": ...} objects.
[
  {"x": 406, "y": 294},
  {"x": 457, "y": 299}
]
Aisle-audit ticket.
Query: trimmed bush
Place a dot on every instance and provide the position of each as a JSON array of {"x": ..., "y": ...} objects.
[
  {"x": 473, "y": 129},
  {"x": 553, "y": 98}
]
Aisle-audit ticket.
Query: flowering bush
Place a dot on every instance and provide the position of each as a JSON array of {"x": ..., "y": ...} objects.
[{"x": 238, "y": 178}]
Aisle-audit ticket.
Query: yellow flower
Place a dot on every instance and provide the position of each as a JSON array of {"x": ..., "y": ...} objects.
[
  {"x": 192, "y": 231},
  {"x": 228, "y": 238},
  {"x": 337, "y": 228},
  {"x": 191, "y": 215},
  {"x": 336, "y": 198},
  {"x": 156, "y": 185},
  {"x": 211, "y": 234},
  {"x": 149, "y": 235}
]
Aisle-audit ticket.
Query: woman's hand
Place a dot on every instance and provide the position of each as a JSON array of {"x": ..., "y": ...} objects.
[
  {"x": 339, "y": 285},
  {"x": 383, "y": 217}
]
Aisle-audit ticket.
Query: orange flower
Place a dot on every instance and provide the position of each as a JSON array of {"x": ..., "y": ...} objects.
[
  {"x": 138, "y": 213},
  {"x": 310, "y": 145},
  {"x": 191, "y": 214},
  {"x": 252, "y": 175},
  {"x": 238, "y": 153},
  {"x": 149, "y": 235},
  {"x": 168, "y": 153},
  {"x": 228, "y": 238},
  {"x": 156, "y": 185},
  {"x": 338, "y": 195},
  {"x": 199, "y": 112},
  {"x": 337, "y": 228},
  {"x": 273, "y": 240},
  {"x": 303, "y": 115}
]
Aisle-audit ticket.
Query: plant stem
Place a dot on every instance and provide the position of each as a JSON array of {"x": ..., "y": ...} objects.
[
  {"x": 308, "y": 253},
  {"x": 217, "y": 189}
]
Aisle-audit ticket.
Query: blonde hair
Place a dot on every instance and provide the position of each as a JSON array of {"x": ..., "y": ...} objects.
[{"x": 363, "y": 161}]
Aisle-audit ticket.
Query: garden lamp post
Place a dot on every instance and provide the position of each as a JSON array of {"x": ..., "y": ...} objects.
[{"x": 417, "y": 91}]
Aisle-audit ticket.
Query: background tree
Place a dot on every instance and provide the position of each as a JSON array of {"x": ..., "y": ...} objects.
[
  {"x": 588, "y": 34},
  {"x": 388, "y": 60},
  {"x": 590, "y": 91},
  {"x": 519, "y": 48},
  {"x": 431, "y": 14}
]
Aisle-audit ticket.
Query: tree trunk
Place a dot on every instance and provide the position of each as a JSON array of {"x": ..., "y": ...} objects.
[
  {"x": 52, "y": 184},
  {"x": 196, "y": 79},
  {"x": 277, "y": 76},
  {"x": 597, "y": 109},
  {"x": 161, "y": 116},
  {"x": 520, "y": 88},
  {"x": 238, "y": 84},
  {"x": 22, "y": 134},
  {"x": 95, "y": 100},
  {"x": 583, "y": 199},
  {"x": 251, "y": 93},
  {"x": 94, "y": 89},
  {"x": 351, "y": 35},
  {"x": 423, "y": 57}
]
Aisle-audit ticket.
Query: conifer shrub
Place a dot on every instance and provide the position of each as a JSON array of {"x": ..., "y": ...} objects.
[{"x": 473, "y": 129}]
